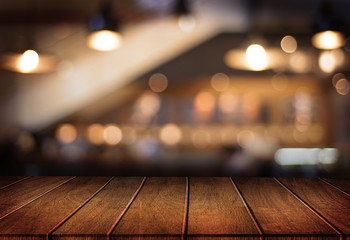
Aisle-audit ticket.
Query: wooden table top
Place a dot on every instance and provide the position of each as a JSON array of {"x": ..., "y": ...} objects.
[{"x": 173, "y": 208}]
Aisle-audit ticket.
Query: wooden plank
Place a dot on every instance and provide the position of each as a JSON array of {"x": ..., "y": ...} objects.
[
  {"x": 157, "y": 212},
  {"x": 21, "y": 193},
  {"x": 324, "y": 199},
  {"x": 342, "y": 184},
  {"x": 216, "y": 211},
  {"x": 36, "y": 219},
  {"x": 6, "y": 181},
  {"x": 100, "y": 213},
  {"x": 279, "y": 213}
]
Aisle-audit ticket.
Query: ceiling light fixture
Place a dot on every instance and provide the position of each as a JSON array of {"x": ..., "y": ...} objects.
[
  {"x": 29, "y": 61},
  {"x": 255, "y": 58},
  {"x": 185, "y": 19},
  {"x": 103, "y": 26},
  {"x": 328, "y": 35}
]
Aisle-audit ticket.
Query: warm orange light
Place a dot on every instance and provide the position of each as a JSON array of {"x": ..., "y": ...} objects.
[
  {"x": 228, "y": 102},
  {"x": 327, "y": 62},
  {"x": 337, "y": 77},
  {"x": 289, "y": 44},
  {"x": 104, "y": 40},
  {"x": 158, "y": 82},
  {"x": 342, "y": 86},
  {"x": 95, "y": 134},
  {"x": 204, "y": 102},
  {"x": 328, "y": 40},
  {"x": 66, "y": 133},
  {"x": 112, "y": 134},
  {"x": 149, "y": 104},
  {"x": 170, "y": 134},
  {"x": 256, "y": 57},
  {"x": 251, "y": 106},
  {"x": 300, "y": 62},
  {"x": 28, "y": 61}
]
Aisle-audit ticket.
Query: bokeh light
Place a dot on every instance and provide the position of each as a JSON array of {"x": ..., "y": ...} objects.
[
  {"x": 342, "y": 86},
  {"x": 170, "y": 134},
  {"x": 289, "y": 44},
  {"x": 66, "y": 133},
  {"x": 256, "y": 57},
  {"x": 220, "y": 82},
  {"x": 299, "y": 62},
  {"x": 158, "y": 82},
  {"x": 328, "y": 40},
  {"x": 112, "y": 134},
  {"x": 95, "y": 134},
  {"x": 228, "y": 102},
  {"x": 104, "y": 40},
  {"x": 28, "y": 61},
  {"x": 327, "y": 62},
  {"x": 336, "y": 77},
  {"x": 204, "y": 102}
]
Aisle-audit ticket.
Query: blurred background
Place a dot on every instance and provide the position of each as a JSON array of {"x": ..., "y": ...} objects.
[{"x": 175, "y": 87}]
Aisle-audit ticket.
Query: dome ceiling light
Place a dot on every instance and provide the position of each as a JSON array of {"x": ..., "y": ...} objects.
[{"x": 104, "y": 35}]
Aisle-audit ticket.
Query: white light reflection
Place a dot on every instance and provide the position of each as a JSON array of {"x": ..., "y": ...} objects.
[
  {"x": 256, "y": 57},
  {"x": 28, "y": 61},
  {"x": 104, "y": 40},
  {"x": 306, "y": 156},
  {"x": 328, "y": 40}
]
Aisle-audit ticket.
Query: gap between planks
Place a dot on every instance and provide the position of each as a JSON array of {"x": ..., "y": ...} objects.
[
  {"x": 10, "y": 184},
  {"x": 126, "y": 208},
  {"x": 334, "y": 186},
  {"x": 251, "y": 214},
  {"x": 37, "y": 197},
  {"x": 49, "y": 234},
  {"x": 342, "y": 235}
]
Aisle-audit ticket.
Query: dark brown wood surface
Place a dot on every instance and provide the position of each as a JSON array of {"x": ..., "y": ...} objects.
[
  {"x": 216, "y": 209},
  {"x": 39, "y": 217},
  {"x": 158, "y": 210},
  {"x": 173, "y": 208},
  {"x": 109, "y": 203},
  {"x": 8, "y": 181},
  {"x": 279, "y": 212},
  {"x": 329, "y": 202},
  {"x": 342, "y": 184},
  {"x": 24, "y": 192}
]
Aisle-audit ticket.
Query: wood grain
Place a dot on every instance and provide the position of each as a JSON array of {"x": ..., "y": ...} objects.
[
  {"x": 326, "y": 200},
  {"x": 279, "y": 213},
  {"x": 157, "y": 211},
  {"x": 100, "y": 213},
  {"x": 216, "y": 211},
  {"x": 6, "y": 181},
  {"x": 40, "y": 216},
  {"x": 23, "y": 192},
  {"x": 343, "y": 184}
]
